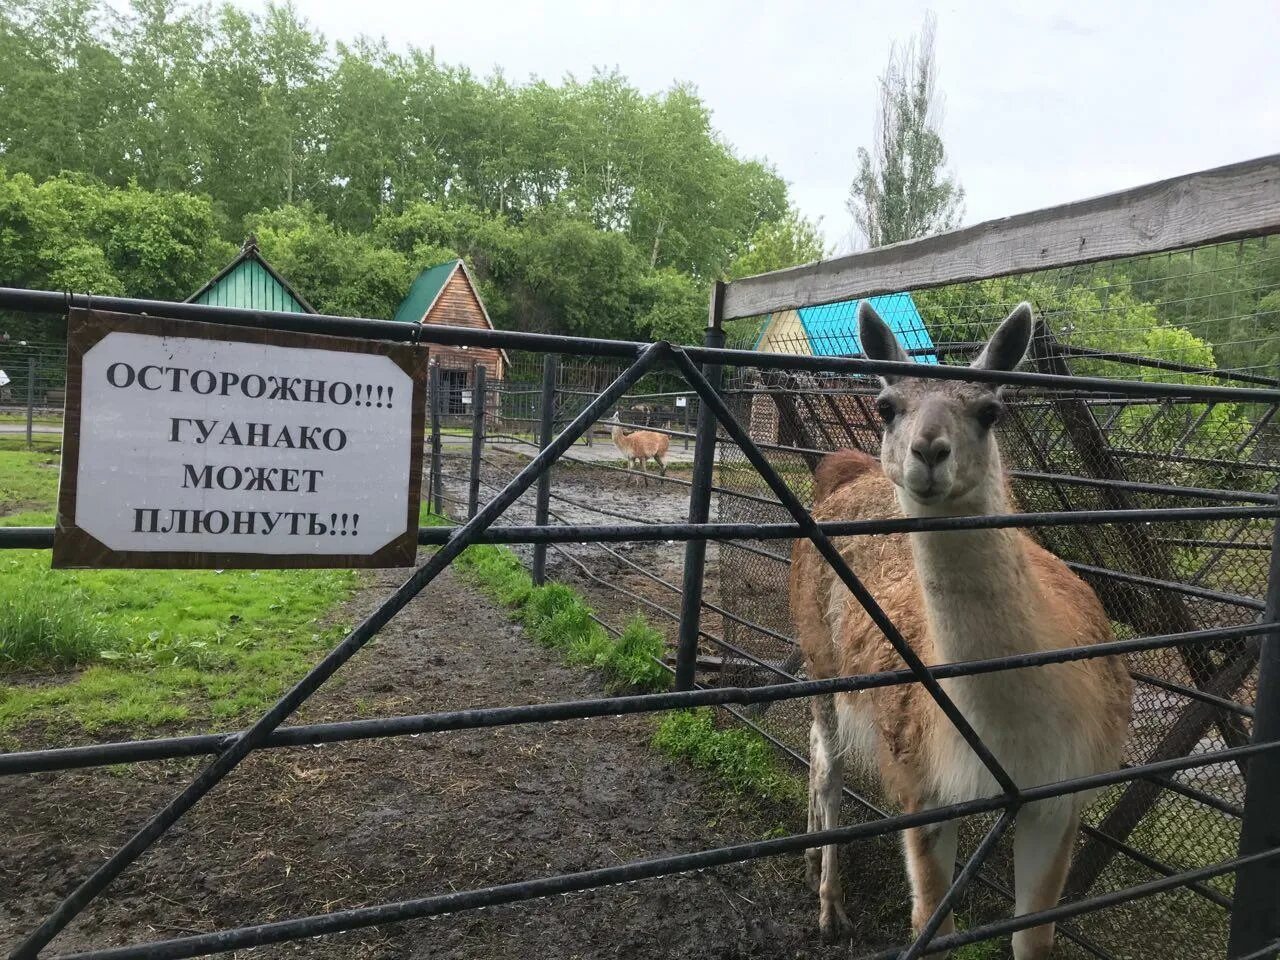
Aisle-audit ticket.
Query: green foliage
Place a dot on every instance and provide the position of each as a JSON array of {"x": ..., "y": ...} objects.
[
  {"x": 744, "y": 760},
  {"x": 558, "y": 617},
  {"x": 157, "y": 645},
  {"x": 786, "y": 242},
  {"x": 339, "y": 272},
  {"x": 70, "y": 232},
  {"x": 585, "y": 206},
  {"x": 38, "y": 633},
  {"x": 901, "y": 191},
  {"x": 28, "y": 477}
]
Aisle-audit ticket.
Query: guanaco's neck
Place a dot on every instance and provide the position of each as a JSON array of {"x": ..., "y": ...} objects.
[
  {"x": 978, "y": 595},
  {"x": 617, "y": 433}
]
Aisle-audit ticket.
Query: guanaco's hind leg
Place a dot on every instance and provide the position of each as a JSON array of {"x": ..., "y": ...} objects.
[
  {"x": 1043, "y": 838},
  {"x": 931, "y": 865},
  {"x": 826, "y": 782}
]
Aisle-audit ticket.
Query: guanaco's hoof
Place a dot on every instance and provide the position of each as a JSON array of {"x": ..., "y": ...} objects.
[{"x": 835, "y": 926}]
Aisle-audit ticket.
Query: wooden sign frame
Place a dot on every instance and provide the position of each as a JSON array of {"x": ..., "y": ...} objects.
[{"x": 74, "y": 547}]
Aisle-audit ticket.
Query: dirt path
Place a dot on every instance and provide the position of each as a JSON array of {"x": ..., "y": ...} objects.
[{"x": 317, "y": 829}]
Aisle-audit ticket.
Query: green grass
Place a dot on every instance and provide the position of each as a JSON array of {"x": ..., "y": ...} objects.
[
  {"x": 558, "y": 617},
  {"x": 28, "y": 477},
  {"x": 742, "y": 759},
  {"x": 136, "y": 649},
  {"x": 41, "y": 418},
  {"x": 45, "y": 442}
]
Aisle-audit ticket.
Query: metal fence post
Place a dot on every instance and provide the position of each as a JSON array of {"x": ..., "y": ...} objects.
[
  {"x": 1255, "y": 906},
  {"x": 478, "y": 401},
  {"x": 695, "y": 551},
  {"x": 437, "y": 493},
  {"x": 550, "y": 366},
  {"x": 31, "y": 395}
]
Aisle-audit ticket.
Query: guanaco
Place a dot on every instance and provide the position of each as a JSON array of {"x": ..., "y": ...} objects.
[
  {"x": 641, "y": 446},
  {"x": 954, "y": 595}
]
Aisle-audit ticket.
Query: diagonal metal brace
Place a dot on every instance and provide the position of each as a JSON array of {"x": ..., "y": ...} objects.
[
  {"x": 958, "y": 886},
  {"x": 809, "y": 528},
  {"x": 257, "y": 735}
]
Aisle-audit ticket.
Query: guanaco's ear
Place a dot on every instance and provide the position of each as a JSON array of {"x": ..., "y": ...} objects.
[
  {"x": 878, "y": 341},
  {"x": 1008, "y": 345}
]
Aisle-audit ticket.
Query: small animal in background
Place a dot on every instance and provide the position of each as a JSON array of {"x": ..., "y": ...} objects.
[
  {"x": 640, "y": 447},
  {"x": 954, "y": 595}
]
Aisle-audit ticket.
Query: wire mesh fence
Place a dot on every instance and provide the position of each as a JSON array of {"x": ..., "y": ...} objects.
[{"x": 1200, "y": 316}]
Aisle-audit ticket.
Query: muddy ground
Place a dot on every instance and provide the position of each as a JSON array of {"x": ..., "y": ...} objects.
[{"x": 303, "y": 831}]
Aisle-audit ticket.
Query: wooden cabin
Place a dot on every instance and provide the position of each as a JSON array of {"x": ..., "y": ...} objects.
[
  {"x": 446, "y": 294},
  {"x": 249, "y": 281}
]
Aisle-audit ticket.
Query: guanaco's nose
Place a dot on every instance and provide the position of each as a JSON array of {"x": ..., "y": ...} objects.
[{"x": 931, "y": 450}]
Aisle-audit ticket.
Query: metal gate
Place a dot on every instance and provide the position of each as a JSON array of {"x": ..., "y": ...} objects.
[{"x": 1229, "y": 203}]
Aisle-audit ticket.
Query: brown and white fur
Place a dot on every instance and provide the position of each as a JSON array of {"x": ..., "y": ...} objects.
[
  {"x": 640, "y": 447},
  {"x": 955, "y": 595}
]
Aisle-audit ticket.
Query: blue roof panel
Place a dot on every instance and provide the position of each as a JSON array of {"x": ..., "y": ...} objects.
[{"x": 832, "y": 328}]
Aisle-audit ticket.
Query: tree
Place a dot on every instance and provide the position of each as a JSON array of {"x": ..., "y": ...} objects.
[
  {"x": 787, "y": 242},
  {"x": 902, "y": 191},
  {"x": 73, "y": 233}
]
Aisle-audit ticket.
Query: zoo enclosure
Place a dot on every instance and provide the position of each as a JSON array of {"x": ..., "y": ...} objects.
[{"x": 1248, "y": 201}]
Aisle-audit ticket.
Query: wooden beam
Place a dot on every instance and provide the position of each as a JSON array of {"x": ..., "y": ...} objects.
[{"x": 1227, "y": 203}]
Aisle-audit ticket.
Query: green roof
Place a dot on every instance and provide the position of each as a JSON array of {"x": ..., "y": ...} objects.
[
  {"x": 250, "y": 282},
  {"x": 424, "y": 291}
]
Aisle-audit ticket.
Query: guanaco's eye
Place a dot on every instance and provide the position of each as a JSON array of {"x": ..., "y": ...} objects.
[
  {"x": 988, "y": 415},
  {"x": 886, "y": 410}
]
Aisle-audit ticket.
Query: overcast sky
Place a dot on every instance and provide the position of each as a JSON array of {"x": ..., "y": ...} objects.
[{"x": 1046, "y": 100}]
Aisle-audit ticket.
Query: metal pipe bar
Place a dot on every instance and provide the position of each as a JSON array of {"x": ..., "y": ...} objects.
[
  {"x": 14, "y": 538},
  {"x": 842, "y": 570},
  {"x": 357, "y": 918},
  {"x": 1199, "y": 796},
  {"x": 1232, "y": 537},
  {"x": 1092, "y": 904},
  {"x": 749, "y": 657},
  {"x": 713, "y": 607},
  {"x": 1200, "y": 493},
  {"x": 1203, "y": 593},
  {"x": 991, "y": 884},
  {"x": 479, "y": 406},
  {"x": 547, "y": 413},
  {"x": 1195, "y": 461},
  {"x": 1156, "y": 866},
  {"x": 678, "y": 591},
  {"x": 47, "y": 301},
  {"x": 1155, "y": 363},
  {"x": 1258, "y": 427},
  {"x": 69, "y": 758},
  {"x": 1255, "y": 918},
  {"x": 1193, "y": 693},
  {"x": 960, "y": 884},
  {"x": 695, "y": 551},
  {"x": 1212, "y": 544},
  {"x": 257, "y": 734},
  {"x": 437, "y": 403},
  {"x": 723, "y": 491},
  {"x": 1265, "y": 952}
]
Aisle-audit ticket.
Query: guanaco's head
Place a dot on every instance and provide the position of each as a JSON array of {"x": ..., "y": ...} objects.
[{"x": 939, "y": 448}]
